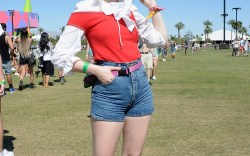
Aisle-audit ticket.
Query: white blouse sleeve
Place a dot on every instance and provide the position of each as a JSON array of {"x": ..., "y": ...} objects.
[
  {"x": 69, "y": 44},
  {"x": 151, "y": 37}
]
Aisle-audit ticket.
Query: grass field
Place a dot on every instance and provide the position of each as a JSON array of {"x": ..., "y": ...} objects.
[{"x": 202, "y": 108}]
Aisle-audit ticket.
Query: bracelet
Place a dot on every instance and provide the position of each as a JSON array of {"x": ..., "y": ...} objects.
[
  {"x": 156, "y": 8},
  {"x": 153, "y": 11},
  {"x": 85, "y": 67},
  {"x": 2, "y": 82}
]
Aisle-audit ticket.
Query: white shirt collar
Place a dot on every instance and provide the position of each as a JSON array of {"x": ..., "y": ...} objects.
[{"x": 120, "y": 10}]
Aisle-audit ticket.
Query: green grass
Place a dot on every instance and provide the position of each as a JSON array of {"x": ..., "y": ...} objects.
[{"x": 202, "y": 108}]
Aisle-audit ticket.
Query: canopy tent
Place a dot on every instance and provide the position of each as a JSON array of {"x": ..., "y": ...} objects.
[
  {"x": 20, "y": 20},
  {"x": 219, "y": 36}
]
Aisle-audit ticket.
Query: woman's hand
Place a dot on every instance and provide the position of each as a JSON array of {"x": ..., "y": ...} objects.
[
  {"x": 149, "y": 3},
  {"x": 104, "y": 73}
]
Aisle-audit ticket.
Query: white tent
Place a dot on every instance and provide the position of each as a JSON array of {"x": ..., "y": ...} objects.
[
  {"x": 219, "y": 36},
  {"x": 36, "y": 37}
]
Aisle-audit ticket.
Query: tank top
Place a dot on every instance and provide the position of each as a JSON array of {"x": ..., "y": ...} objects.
[{"x": 4, "y": 49}]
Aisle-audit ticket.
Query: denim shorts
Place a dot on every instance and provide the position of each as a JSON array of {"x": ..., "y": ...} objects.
[
  {"x": 128, "y": 95},
  {"x": 7, "y": 67}
]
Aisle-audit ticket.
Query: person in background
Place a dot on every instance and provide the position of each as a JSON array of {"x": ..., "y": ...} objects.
[
  {"x": 186, "y": 47},
  {"x": 121, "y": 101},
  {"x": 25, "y": 58},
  {"x": 242, "y": 46},
  {"x": 15, "y": 61},
  {"x": 193, "y": 48},
  {"x": 246, "y": 47},
  {"x": 89, "y": 54},
  {"x": 164, "y": 53},
  {"x": 3, "y": 152},
  {"x": 156, "y": 52},
  {"x": 7, "y": 52},
  {"x": 147, "y": 60},
  {"x": 172, "y": 50},
  {"x": 46, "y": 49},
  {"x": 236, "y": 45}
]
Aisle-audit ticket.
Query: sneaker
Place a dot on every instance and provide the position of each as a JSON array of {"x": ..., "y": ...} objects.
[
  {"x": 20, "y": 85},
  {"x": 12, "y": 90},
  {"x": 37, "y": 73},
  {"x": 7, "y": 153},
  {"x": 31, "y": 86},
  {"x": 13, "y": 69},
  {"x": 153, "y": 78},
  {"x": 62, "y": 81}
]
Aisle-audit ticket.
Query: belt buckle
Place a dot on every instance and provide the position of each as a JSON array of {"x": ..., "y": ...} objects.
[{"x": 123, "y": 72}]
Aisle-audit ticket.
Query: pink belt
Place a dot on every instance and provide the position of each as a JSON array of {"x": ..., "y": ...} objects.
[{"x": 127, "y": 71}]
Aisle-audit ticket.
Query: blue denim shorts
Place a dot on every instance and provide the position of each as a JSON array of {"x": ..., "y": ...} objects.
[
  {"x": 129, "y": 95},
  {"x": 7, "y": 67}
]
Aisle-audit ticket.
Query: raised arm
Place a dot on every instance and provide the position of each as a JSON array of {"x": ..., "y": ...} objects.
[{"x": 157, "y": 19}]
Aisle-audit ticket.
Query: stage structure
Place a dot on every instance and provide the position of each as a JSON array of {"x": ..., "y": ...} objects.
[{"x": 19, "y": 19}]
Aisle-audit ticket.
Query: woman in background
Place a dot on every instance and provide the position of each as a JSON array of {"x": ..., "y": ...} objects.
[
  {"x": 26, "y": 58},
  {"x": 45, "y": 50}
]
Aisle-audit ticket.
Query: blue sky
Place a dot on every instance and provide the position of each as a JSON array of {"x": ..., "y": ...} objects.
[{"x": 55, "y": 13}]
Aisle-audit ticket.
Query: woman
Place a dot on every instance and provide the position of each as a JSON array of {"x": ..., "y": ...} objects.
[
  {"x": 26, "y": 58},
  {"x": 121, "y": 96},
  {"x": 45, "y": 50},
  {"x": 172, "y": 50}
]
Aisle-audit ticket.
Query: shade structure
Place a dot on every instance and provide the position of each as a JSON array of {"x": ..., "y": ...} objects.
[
  {"x": 27, "y": 6},
  {"x": 20, "y": 20},
  {"x": 218, "y": 36}
]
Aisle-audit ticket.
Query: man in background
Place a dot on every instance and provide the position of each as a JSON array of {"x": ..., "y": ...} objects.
[{"x": 7, "y": 52}]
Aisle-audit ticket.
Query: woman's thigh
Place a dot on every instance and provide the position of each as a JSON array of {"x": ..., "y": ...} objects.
[
  {"x": 134, "y": 134},
  {"x": 105, "y": 137}
]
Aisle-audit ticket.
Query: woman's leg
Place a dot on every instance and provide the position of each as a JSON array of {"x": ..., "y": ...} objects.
[
  {"x": 46, "y": 84},
  {"x": 31, "y": 74},
  {"x": 134, "y": 135},
  {"x": 22, "y": 71},
  {"x": 105, "y": 137},
  {"x": 43, "y": 76},
  {"x": 155, "y": 63}
]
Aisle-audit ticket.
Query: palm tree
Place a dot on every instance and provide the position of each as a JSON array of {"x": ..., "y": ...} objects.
[
  {"x": 40, "y": 30},
  {"x": 242, "y": 30},
  {"x": 232, "y": 23},
  {"x": 208, "y": 28},
  {"x": 179, "y": 26},
  {"x": 62, "y": 28}
]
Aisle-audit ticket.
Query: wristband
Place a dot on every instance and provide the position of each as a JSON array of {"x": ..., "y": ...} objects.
[
  {"x": 2, "y": 82},
  {"x": 156, "y": 8},
  {"x": 85, "y": 67},
  {"x": 153, "y": 11}
]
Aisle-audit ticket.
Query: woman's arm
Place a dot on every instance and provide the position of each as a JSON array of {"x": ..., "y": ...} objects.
[
  {"x": 154, "y": 35},
  {"x": 157, "y": 18},
  {"x": 64, "y": 56}
]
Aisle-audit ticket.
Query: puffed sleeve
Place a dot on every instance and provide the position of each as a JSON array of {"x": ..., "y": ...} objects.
[
  {"x": 151, "y": 37},
  {"x": 69, "y": 44}
]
